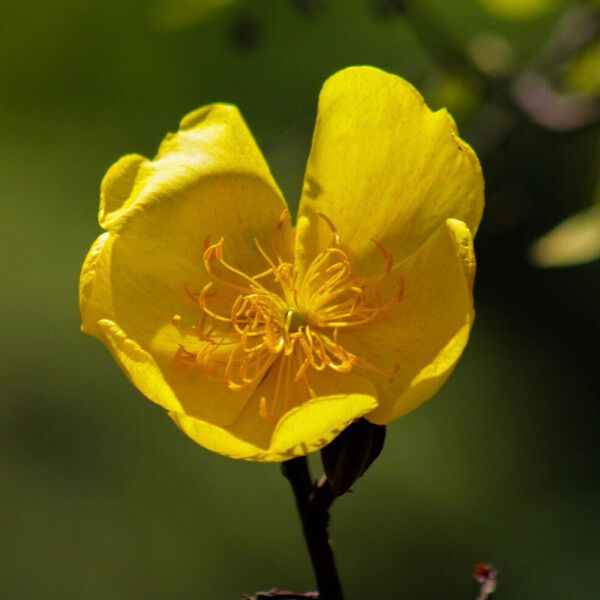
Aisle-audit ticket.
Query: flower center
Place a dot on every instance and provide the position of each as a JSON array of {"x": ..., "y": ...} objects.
[
  {"x": 280, "y": 329},
  {"x": 295, "y": 319}
]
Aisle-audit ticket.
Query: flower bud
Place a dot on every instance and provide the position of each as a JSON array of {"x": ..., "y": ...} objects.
[{"x": 351, "y": 453}]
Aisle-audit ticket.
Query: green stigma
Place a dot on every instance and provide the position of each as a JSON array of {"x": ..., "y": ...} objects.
[{"x": 294, "y": 319}]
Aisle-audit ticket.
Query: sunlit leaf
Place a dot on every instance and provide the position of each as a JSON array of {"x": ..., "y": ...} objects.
[
  {"x": 583, "y": 74},
  {"x": 519, "y": 9},
  {"x": 574, "y": 241},
  {"x": 175, "y": 14}
]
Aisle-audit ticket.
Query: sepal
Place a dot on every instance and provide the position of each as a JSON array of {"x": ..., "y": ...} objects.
[{"x": 351, "y": 453}]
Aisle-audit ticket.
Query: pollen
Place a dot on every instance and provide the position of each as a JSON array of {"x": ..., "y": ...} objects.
[{"x": 278, "y": 331}]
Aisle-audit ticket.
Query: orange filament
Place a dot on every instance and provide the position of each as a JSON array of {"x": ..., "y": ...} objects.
[{"x": 282, "y": 323}]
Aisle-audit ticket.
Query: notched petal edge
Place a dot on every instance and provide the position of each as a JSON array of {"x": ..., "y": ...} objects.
[
  {"x": 303, "y": 430},
  {"x": 116, "y": 189}
]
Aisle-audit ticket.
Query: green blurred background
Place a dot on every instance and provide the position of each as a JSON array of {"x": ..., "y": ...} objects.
[{"x": 102, "y": 497}]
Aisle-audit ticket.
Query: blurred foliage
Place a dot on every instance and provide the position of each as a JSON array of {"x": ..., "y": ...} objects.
[
  {"x": 173, "y": 14},
  {"x": 103, "y": 498},
  {"x": 583, "y": 74},
  {"x": 574, "y": 241},
  {"x": 492, "y": 54},
  {"x": 458, "y": 91},
  {"x": 519, "y": 9}
]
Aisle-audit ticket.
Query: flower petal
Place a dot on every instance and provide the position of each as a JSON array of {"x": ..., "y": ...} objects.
[
  {"x": 304, "y": 429},
  {"x": 383, "y": 167},
  {"x": 425, "y": 334},
  {"x": 207, "y": 179}
]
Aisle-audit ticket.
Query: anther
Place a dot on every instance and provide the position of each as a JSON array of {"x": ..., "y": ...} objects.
[
  {"x": 282, "y": 218},
  {"x": 262, "y": 408}
]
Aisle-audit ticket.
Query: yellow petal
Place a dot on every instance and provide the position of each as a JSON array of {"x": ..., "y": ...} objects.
[
  {"x": 383, "y": 167},
  {"x": 207, "y": 179},
  {"x": 304, "y": 429},
  {"x": 425, "y": 334}
]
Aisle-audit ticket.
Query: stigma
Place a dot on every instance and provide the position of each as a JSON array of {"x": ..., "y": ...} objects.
[{"x": 284, "y": 325}]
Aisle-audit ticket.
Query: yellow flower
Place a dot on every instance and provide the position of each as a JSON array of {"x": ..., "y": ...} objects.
[{"x": 264, "y": 341}]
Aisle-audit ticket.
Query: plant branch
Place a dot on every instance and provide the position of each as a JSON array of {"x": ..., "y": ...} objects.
[
  {"x": 322, "y": 495},
  {"x": 487, "y": 577},
  {"x": 314, "y": 515}
]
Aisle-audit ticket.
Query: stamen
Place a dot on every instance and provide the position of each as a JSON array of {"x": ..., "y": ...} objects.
[
  {"x": 283, "y": 325},
  {"x": 283, "y": 217},
  {"x": 262, "y": 408},
  {"x": 387, "y": 256},
  {"x": 334, "y": 233}
]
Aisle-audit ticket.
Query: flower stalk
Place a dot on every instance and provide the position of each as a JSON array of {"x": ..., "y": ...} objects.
[{"x": 313, "y": 509}]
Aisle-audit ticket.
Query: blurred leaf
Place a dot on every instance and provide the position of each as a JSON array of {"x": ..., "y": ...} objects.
[
  {"x": 389, "y": 8},
  {"x": 175, "y": 14},
  {"x": 492, "y": 53},
  {"x": 574, "y": 241},
  {"x": 245, "y": 32},
  {"x": 583, "y": 74},
  {"x": 519, "y": 10},
  {"x": 455, "y": 90},
  {"x": 308, "y": 6}
]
